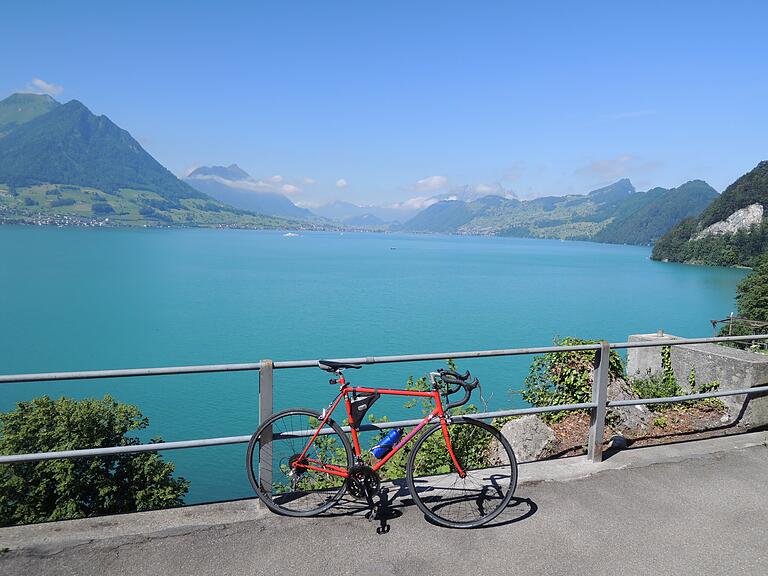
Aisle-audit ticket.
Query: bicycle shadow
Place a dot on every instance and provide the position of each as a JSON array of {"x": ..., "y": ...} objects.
[{"x": 396, "y": 499}]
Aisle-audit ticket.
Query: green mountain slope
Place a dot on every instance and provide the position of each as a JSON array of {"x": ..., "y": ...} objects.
[
  {"x": 61, "y": 164},
  {"x": 71, "y": 145},
  {"x": 646, "y": 216},
  {"x": 19, "y": 109},
  {"x": 615, "y": 213},
  {"x": 731, "y": 249}
]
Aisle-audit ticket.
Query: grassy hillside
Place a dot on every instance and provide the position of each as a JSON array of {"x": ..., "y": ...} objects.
[{"x": 66, "y": 204}]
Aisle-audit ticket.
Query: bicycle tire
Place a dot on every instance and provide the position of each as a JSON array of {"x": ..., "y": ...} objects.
[
  {"x": 490, "y": 468},
  {"x": 275, "y": 497}
]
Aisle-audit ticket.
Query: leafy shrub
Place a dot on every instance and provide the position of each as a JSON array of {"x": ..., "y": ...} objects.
[
  {"x": 565, "y": 377},
  {"x": 659, "y": 385},
  {"x": 79, "y": 487}
]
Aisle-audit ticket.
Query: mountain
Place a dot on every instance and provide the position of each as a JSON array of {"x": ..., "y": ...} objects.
[
  {"x": 616, "y": 213},
  {"x": 71, "y": 145},
  {"x": 364, "y": 221},
  {"x": 645, "y": 217},
  {"x": 234, "y": 186},
  {"x": 342, "y": 211},
  {"x": 19, "y": 109},
  {"x": 729, "y": 232},
  {"x": 60, "y": 163}
]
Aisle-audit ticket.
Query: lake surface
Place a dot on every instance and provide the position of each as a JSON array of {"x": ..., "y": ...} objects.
[{"x": 80, "y": 299}]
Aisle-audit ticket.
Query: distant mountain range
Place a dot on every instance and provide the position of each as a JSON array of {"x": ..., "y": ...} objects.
[
  {"x": 60, "y": 162},
  {"x": 615, "y": 214},
  {"x": 234, "y": 186},
  {"x": 731, "y": 231}
]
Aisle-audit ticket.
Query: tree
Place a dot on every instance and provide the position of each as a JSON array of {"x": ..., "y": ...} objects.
[
  {"x": 80, "y": 487},
  {"x": 752, "y": 293}
]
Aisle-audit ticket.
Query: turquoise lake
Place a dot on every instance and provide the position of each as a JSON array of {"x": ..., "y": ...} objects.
[{"x": 80, "y": 299}]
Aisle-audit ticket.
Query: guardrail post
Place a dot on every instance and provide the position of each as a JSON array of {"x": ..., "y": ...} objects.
[
  {"x": 599, "y": 397},
  {"x": 265, "y": 411}
]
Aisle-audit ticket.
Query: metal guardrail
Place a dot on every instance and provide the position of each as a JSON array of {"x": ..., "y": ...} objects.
[{"x": 597, "y": 407}]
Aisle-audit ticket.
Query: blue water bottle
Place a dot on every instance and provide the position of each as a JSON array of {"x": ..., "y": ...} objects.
[{"x": 387, "y": 443}]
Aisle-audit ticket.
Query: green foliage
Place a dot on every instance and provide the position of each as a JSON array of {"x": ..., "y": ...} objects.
[
  {"x": 660, "y": 421},
  {"x": 660, "y": 385},
  {"x": 742, "y": 248},
  {"x": 81, "y": 487},
  {"x": 395, "y": 466},
  {"x": 565, "y": 377},
  {"x": 752, "y": 293},
  {"x": 664, "y": 384}
]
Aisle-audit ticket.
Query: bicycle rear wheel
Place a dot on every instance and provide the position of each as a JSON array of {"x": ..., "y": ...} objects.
[
  {"x": 280, "y": 475},
  {"x": 490, "y": 474}
]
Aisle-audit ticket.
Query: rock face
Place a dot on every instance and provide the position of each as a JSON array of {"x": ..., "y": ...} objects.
[
  {"x": 626, "y": 418},
  {"x": 742, "y": 219},
  {"x": 528, "y": 436}
]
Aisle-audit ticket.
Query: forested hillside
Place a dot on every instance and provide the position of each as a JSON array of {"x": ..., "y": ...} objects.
[{"x": 685, "y": 243}]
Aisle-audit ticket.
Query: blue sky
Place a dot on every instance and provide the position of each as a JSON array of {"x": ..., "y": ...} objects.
[{"x": 381, "y": 102}]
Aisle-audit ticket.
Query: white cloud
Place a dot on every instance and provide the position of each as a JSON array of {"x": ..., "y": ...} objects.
[
  {"x": 431, "y": 183},
  {"x": 341, "y": 183},
  {"x": 39, "y": 86},
  {"x": 486, "y": 188},
  {"x": 417, "y": 203},
  {"x": 609, "y": 167},
  {"x": 250, "y": 184},
  {"x": 290, "y": 189},
  {"x": 276, "y": 178},
  {"x": 310, "y": 181},
  {"x": 617, "y": 167},
  {"x": 630, "y": 114}
]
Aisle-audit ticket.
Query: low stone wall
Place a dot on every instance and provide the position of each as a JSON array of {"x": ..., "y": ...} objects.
[{"x": 731, "y": 367}]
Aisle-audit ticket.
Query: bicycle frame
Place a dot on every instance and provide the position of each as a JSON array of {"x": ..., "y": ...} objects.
[{"x": 345, "y": 392}]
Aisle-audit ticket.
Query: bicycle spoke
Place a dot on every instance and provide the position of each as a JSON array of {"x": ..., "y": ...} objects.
[
  {"x": 487, "y": 486},
  {"x": 278, "y": 465}
]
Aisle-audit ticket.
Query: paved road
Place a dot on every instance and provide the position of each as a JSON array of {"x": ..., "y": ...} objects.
[{"x": 705, "y": 515}]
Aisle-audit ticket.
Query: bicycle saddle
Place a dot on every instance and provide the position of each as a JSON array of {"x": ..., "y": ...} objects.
[{"x": 330, "y": 366}]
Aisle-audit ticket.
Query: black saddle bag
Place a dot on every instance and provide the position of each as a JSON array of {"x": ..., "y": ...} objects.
[{"x": 359, "y": 406}]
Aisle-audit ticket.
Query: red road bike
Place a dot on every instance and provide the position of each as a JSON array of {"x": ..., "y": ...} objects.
[{"x": 461, "y": 472}]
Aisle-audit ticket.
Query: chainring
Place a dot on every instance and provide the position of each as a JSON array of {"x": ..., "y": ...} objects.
[{"x": 362, "y": 481}]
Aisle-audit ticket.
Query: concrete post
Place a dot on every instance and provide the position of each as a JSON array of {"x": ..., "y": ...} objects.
[
  {"x": 600, "y": 397},
  {"x": 265, "y": 411}
]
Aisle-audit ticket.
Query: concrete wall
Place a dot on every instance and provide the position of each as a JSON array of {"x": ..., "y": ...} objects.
[{"x": 731, "y": 367}]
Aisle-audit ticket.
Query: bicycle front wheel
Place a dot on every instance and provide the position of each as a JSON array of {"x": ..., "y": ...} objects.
[
  {"x": 481, "y": 493},
  {"x": 291, "y": 475}
]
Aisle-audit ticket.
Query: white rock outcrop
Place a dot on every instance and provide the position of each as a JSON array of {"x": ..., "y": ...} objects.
[{"x": 742, "y": 219}]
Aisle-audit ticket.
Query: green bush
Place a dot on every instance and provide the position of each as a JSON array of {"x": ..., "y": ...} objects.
[
  {"x": 565, "y": 377},
  {"x": 79, "y": 487},
  {"x": 661, "y": 384}
]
